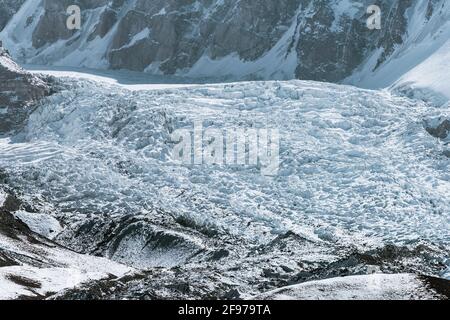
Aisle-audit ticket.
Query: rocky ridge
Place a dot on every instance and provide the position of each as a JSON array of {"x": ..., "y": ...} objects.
[
  {"x": 19, "y": 90},
  {"x": 305, "y": 39}
]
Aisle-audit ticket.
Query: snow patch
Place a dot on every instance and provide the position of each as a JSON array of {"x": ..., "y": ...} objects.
[
  {"x": 62, "y": 269},
  {"x": 144, "y": 34},
  {"x": 3, "y": 197},
  {"x": 365, "y": 287}
]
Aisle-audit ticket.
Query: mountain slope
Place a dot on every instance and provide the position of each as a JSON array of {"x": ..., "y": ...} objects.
[
  {"x": 429, "y": 79},
  {"x": 32, "y": 266},
  {"x": 371, "y": 287},
  {"x": 19, "y": 90},
  {"x": 304, "y": 39},
  {"x": 362, "y": 184},
  {"x": 420, "y": 64}
]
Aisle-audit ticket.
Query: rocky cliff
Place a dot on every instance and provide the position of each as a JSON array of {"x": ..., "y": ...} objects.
[
  {"x": 7, "y": 9},
  {"x": 18, "y": 91},
  {"x": 324, "y": 40}
]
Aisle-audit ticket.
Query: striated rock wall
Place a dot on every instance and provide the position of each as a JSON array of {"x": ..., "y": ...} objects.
[
  {"x": 7, "y": 9},
  {"x": 324, "y": 40}
]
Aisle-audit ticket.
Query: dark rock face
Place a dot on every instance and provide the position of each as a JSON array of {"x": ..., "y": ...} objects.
[
  {"x": 322, "y": 40},
  {"x": 7, "y": 9},
  {"x": 135, "y": 240},
  {"x": 255, "y": 272},
  {"x": 441, "y": 131},
  {"x": 18, "y": 91}
]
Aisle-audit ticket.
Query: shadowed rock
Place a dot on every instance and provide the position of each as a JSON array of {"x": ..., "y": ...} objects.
[
  {"x": 18, "y": 91},
  {"x": 366, "y": 287}
]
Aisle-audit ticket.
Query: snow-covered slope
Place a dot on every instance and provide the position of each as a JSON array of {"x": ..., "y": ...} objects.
[
  {"x": 7, "y": 10},
  {"x": 420, "y": 65},
  {"x": 18, "y": 91},
  {"x": 32, "y": 266},
  {"x": 430, "y": 79}
]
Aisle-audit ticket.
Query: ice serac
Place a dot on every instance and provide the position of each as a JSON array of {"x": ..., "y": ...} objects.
[
  {"x": 18, "y": 91},
  {"x": 325, "y": 40}
]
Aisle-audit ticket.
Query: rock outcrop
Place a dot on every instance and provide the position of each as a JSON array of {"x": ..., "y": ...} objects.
[
  {"x": 18, "y": 91},
  {"x": 441, "y": 130},
  {"x": 7, "y": 9},
  {"x": 366, "y": 287}
]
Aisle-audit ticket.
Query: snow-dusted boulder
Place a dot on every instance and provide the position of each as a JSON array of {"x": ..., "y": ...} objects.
[
  {"x": 7, "y": 9},
  {"x": 33, "y": 267},
  {"x": 18, "y": 91}
]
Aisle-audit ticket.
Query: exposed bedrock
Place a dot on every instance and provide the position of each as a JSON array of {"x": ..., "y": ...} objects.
[{"x": 19, "y": 90}]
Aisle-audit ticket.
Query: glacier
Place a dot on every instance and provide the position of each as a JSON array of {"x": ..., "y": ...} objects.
[
  {"x": 94, "y": 203},
  {"x": 274, "y": 40},
  {"x": 360, "y": 175}
]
